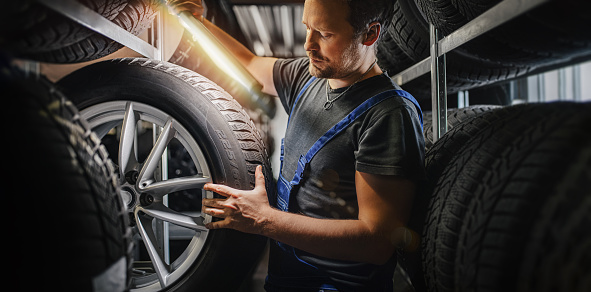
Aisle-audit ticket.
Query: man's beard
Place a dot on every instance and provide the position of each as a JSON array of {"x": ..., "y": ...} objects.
[{"x": 337, "y": 70}]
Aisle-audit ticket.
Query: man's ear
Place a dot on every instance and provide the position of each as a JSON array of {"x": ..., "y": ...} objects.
[{"x": 372, "y": 34}]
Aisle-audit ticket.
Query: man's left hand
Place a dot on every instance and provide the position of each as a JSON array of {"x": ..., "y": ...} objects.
[{"x": 244, "y": 211}]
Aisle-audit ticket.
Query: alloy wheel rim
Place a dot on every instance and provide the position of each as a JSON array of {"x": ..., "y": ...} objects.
[{"x": 145, "y": 193}]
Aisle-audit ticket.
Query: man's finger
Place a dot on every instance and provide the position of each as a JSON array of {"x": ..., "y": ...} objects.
[
  {"x": 259, "y": 177},
  {"x": 220, "y": 189},
  {"x": 215, "y": 202},
  {"x": 216, "y": 225},
  {"x": 219, "y": 213}
]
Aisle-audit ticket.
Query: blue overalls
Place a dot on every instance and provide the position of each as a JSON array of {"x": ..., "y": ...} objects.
[{"x": 285, "y": 187}]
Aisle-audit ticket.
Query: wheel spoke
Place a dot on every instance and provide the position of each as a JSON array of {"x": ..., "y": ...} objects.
[
  {"x": 127, "y": 158},
  {"x": 147, "y": 172},
  {"x": 166, "y": 214},
  {"x": 149, "y": 239},
  {"x": 176, "y": 184}
]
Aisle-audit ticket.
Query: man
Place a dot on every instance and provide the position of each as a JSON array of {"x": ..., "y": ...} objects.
[{"x": 342, "y": 207}]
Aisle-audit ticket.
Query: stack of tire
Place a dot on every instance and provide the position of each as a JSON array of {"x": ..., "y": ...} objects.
[
  {"x": 31, "y": 31},
  {"x": 64, "y": 216},
  {"x": 507, "y": 204},
  {"x": 552, "y": 35}
]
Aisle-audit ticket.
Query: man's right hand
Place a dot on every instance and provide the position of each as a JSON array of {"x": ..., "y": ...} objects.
[{"x": 193, "y": 6}]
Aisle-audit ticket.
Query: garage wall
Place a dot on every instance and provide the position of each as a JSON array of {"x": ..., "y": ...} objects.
[{"x": 562, "y": 84}]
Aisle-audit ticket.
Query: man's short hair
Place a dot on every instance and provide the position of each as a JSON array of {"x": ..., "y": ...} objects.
[{"x": 364, "y": 12}]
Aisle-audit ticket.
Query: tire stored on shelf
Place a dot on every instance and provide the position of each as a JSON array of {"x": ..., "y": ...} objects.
[
  {"x": 455, "y": 117},
  {"x": 221, "y": 141},
  {"x": 406, "y": 42},
  {"x": 490, "y": 181},
  {"x": 547, "y": 37},
  {"x": 526, "y": 227},
  {"x": 67, "y": 222},
  {"x": 554, "y": 33},
  {"x": 32, "y": 31}
]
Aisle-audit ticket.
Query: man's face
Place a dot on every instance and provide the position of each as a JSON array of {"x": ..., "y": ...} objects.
[{"x": 330, "y": 42}]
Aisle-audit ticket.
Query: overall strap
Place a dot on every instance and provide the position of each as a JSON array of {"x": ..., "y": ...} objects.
[
  {"x": 300, "y": 95},
  {"x": 410, "y": 98},
  {"x": 344, "y": 123}
]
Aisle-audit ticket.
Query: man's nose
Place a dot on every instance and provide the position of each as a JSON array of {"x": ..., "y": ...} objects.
[{"x": 310, "y": 44}]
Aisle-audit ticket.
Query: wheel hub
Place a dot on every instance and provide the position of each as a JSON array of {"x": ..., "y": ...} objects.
[{"x": 129, "y": 196}]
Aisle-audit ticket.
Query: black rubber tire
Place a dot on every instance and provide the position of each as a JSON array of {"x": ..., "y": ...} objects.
[
  {"x": 455, "y": 117},
  {"x": 232, "y": 146},
  {"x": 427, "y": 210},
  {"x": 511, "y": 197},
  {"x": 455, "y": 186},
  {"x": 551, "y": 34},
  {"x": 467, "y": 123},
  {"x": 410, "y": 34},
  {"x": 30, "y": 30},
  {"x": 558, "y": 244},
  {"x": 68, "y": 220},
  {"x": 391, "y": 57}
]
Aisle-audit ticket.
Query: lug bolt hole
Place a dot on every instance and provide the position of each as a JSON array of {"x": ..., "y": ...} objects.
[
  {"x": 131, "y": 177},
  {"x": 146, "y": 199}
]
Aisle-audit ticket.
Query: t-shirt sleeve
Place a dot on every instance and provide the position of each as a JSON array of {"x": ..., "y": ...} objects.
[
  {"x": 393, "y": 144},
  {"x": 289, "y": 77}
]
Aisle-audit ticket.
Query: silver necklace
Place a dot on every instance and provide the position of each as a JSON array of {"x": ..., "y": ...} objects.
[{"x": 328, "y": 103}]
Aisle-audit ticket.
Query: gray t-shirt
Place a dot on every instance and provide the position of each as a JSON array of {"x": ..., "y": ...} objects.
[{"x": 386, "y": 140}]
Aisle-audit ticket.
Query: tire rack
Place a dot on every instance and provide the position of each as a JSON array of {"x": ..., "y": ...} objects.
[
  {"x": 154, "y": 49},
  {"x": 436, "y": 64},
  {"x": 96, "y": 22}
]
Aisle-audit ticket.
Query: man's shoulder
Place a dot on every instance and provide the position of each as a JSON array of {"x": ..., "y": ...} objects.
[
  {"x": 291, "y": 63},
  {"x": 398, "y": 102}
]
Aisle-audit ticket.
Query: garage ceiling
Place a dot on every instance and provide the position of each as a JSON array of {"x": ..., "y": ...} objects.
[{"x": 273, "y": 28}]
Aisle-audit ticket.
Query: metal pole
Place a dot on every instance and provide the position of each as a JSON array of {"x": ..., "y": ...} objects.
[
  {"x": 162, "y": 227},
  {"x": 562, "y": 84},
  {"x": 577, "y": 95},
  {"x": 438, "y": 87},
  {"x": 541, "y": 87}
]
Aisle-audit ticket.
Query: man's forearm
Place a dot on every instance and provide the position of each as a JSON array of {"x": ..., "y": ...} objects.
[{"x": 350, "y": 240}]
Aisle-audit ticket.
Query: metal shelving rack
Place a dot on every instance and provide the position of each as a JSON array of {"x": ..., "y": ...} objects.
[
  {"x": 435, "y": 63},
  {"x": 495, "y": 16}
]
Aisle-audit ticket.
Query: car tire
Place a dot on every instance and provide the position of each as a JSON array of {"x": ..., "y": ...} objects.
[
  {"x": 529, "y": 188},
  {"x": 223, "y": 145},
  {"x": 62, "y": 178},
  {"x": 455, "y": 117},
  {"x": 455, "y": 183},
  {"x": 33, "y": 31}
]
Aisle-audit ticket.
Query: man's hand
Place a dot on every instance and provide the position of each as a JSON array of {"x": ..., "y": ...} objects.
[
  {"x": 244, "y": 211},
  {"x": 193, "y": 6}
]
